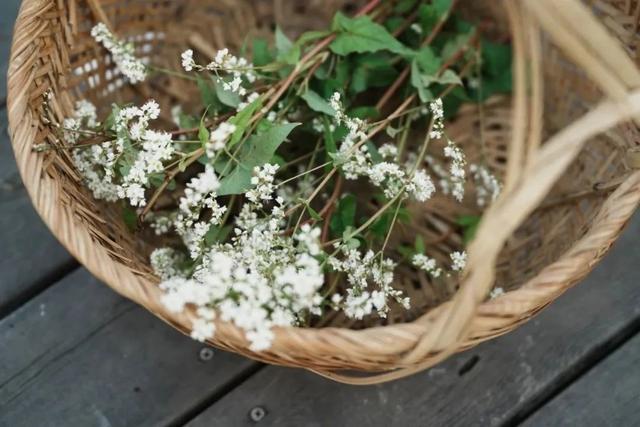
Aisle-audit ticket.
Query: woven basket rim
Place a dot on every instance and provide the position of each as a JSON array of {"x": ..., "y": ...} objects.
[{"x": 521, "y": 303}]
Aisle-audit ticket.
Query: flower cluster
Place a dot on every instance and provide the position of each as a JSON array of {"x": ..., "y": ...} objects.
[
  {"x": 429, "y": 265},
  {"x": 369, "y": 278},
  {"x": 259, "y": 280},
  {"x": 239, "y": 69},
  {"x": 199, "y": 195},
  {"x": 486, "y": 184},
  {"x": 456, "y": 169},
  {"x": 123, "y": 54},
  {"x": 356, "y": 161}
]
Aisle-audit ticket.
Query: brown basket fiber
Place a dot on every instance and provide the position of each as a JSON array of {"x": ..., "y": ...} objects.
[{"x": 564, "y": 202}]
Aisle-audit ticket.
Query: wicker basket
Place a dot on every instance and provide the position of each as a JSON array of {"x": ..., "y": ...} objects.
[{"x": 564, "y": 203}]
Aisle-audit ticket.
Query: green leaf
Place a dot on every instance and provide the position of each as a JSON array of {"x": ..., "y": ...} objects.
[
  {"x": 261, "y": 53},
  {"x": 418, "y": 83},
  {"x": 314, "y": 214},
  {"x": 318, "y": 103},
  {"x": 361, "y": 35},
  {"x": 241, "y": 121},
  {"x": 372, "y": 70},
  {"x": 469, "y": 224},
  {"x": 428, "y": 61},
  {"x": 329, "y": 140},
  {"x": 364, "y": 112},
  {"x": 419, "y": 244},
  {"x": 405, "y": 6},
  {"x": 256, "y": 151},
  {"x": 227, "y": 97},
  {"x": 217, "y": 234},
  {"x": 207, "y": 94},
  {"x": 344, "y": 216},
  {"x": 203, "y": 133},
  {"x": 287, "y": 51},
  {"x": 446, "y": 78},
  {"x": 130, "y": 218}
]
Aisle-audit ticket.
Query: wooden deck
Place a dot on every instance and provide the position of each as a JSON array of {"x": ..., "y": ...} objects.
[{"x": 73, "y": 353}]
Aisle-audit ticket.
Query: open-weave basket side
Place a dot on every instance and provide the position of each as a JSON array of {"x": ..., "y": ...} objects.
[{"x": 46, "y": 37}]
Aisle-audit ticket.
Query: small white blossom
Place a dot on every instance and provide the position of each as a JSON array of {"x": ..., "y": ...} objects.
[
  {"x": 123, "y": 54},
  {"x": 496, "y": 292},
  {"x": 437, "y": 110},
  {"x": 262, "y": 182},
  {"x": 486, "y": 184},
  {"x": 459, "y": 260},
  {"x": 429, "y": 265}
]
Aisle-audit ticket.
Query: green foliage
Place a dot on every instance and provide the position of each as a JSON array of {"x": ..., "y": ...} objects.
[
  {"x": 256, "y": 151},
  {"x": 261, "y": 53},
  {"x": 372, "y": 70},
  {"x": 469, "y": 224},
  {"x": 344, "y": 215},
  {"x": 359, "y": 35},
  {"x": 317, "y": 103},
  {"x": 242, "y": 120},
  {"x": 496, "y": 69}
]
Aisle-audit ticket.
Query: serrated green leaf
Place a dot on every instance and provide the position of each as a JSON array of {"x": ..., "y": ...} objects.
[
  {"x": 361, "y": 34},
  {"x": 318, "y": 103}
]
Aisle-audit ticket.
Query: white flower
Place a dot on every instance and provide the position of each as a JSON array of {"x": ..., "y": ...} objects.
[
  {"x": 219, "y": 137},
  {"x": 164, "y": 262},
  {"x": 388, "y": 151},
  {"x": 496, "y": 292},
  {"x": 202, "y": 330},
  {"x": 456, "y": 169},
  {"x": 429, "y": 265},
  {"x": 421, "y": 186},
  {"x": 262, "y": 181},
  {"x": 486, "y": 185},
  {"x": 187, "y": 60},
  {"x": 459, "y": 260},
  {"x": 122, "y": 53},
  {"x": 259, "y": 280},
  {"x": 437, "y": 130},
  {"x": 364, "y": 272}
]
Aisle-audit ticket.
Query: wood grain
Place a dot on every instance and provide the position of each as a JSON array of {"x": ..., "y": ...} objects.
[
  {"x": 493, "y": 384},
  {"x": 608, "y": 395},
  {"x": 80, "y": 355}
]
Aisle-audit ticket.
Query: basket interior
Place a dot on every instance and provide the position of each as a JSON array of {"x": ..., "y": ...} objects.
[{"x": 163, "y": 29}]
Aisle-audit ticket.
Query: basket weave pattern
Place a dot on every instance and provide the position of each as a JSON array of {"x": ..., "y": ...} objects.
[{"x": 564, "y": 203}]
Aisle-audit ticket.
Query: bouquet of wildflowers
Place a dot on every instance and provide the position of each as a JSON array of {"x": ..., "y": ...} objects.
[{"x": 278, "y": 196}]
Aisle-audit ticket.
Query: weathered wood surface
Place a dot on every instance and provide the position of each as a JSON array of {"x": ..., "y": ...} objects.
[
  {"x": 30, "y": 256},
  {"x": 608, "y": 395},
  {"x": 80, "y": 355},
  {"x": 8, "y": 14},
  {"x": 497, "y": 383}
]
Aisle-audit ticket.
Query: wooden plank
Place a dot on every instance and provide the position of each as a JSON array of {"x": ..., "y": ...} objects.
[
  {"x": 608, "y": 395},
  {"x": 497, "y": 383},
  {"x": 8, "y": 14},
  {"x": 30, "y": 256},
  {"x": 80, "y": 355}
]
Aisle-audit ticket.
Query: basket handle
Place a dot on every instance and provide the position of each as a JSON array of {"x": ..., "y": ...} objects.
[{"x": 538, "y": 172}]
